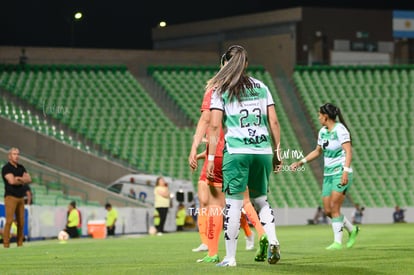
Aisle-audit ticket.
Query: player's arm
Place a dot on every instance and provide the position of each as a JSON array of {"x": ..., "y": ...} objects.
[
  {"x": 201, "y": 155},
  {"x": 214, "y": 133},
  {"x": 346, "y": 146},
  {"x": 200, "y": 132},
  {"x": 273, "y": 125},
  {"x": 275, "y": 133},
  {"x": 308, "y": 158}
]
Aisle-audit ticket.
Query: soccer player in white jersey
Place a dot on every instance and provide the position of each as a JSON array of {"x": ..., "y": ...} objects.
[
  {"x": 246, "y": 108},
  {"x": 334, "y": 142}
]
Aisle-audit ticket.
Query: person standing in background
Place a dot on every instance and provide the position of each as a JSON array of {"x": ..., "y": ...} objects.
[
  {"x": 398, "y": 215},
  {"x": 15, "y": 178},
  {"x": 161, "y": 202},
  {"x": 111, "y": 218},
  {"x": 72, "y": 220},
  {"x": 357, "y": 214},
  {"x": 180, "y": 217}
]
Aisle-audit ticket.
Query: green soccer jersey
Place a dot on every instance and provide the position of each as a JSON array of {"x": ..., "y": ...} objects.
[
  {"x": 246, "y": 121},
  {"x": 331, "y": 143}
]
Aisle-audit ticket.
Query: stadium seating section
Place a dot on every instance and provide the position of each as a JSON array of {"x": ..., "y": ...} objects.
[{"x": 378, "y": 104}]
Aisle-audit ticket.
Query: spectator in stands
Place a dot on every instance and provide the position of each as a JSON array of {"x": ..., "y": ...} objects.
[
  {"x": 132, "y": 193},
  {"x": 161, "y": 202},
  {"x": 335, "y": 144},
  {"x": 111, "y": 218},
  {"x": 72, "y": 220},
  {"x": 180, "y": 217},
  {"x": 15, "y": 177},
  {"x": 357, "y": 214},
  {"x": 252, "y": 130},
  {"x": 398, "y": 215},
  {"x": 142, "y": 196}
]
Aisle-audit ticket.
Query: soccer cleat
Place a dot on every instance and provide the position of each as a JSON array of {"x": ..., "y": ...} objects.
[
  {"x": 227, "y": 262},
  {"x": 250, "y": 242},
  {"x": 273, "y": 254},
  {"x": 334, "y": 246},
  {"x": 209, "y": 259},
  {"x": 352, "y": 237},
  {"x": 202, "y": 247},
  {"x": 262, "y": 250}
]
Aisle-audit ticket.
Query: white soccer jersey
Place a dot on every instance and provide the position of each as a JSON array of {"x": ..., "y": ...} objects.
[
  {"x": 331, "y": 143},
  {"x": 246, "y": 121}
]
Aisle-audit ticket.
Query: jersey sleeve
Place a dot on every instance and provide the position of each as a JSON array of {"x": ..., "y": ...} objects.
[
  {"x": 270, "y": 100},
  {"x": 205, "y": 105},
  {"x": 320, "y": 141},
  {"x": 343, "y": 134},
  {"x": 216, "y": 101}
]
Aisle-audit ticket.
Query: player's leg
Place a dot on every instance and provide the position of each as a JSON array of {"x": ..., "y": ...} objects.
[
  {"x": 258, "y": 187},
  {"x": 252, "y": 215},
  {"x": 249, "y": 235},
  {"x": 336, "y": 218},
  {"x": 215, "y": 222},
  {"x": 327, "y": 189},
  {"x": 352, "y": 229},
  {"x": 235, "y": 177},
  {"x": 202, "y": 219},
  {"x": 338, "y": 192}
]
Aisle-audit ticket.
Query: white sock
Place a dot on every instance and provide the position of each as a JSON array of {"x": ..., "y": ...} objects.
[
  {"x": 338, "y": 228},
  {"x": 231, "y": 226},
  {"x": 267, "y": 218},
  {"x": 348, "y": 225}
]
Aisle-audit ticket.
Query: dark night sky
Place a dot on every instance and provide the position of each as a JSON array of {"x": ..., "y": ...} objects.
[{"x": 126, "y": 24}]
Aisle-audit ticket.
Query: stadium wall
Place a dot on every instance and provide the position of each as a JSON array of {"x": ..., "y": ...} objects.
[
  {"x": 137, "y": 61},
  {"x": 269, "y": 37},
  {"x": 282, "y": 38},
  {"x": 47, "y": 221}
]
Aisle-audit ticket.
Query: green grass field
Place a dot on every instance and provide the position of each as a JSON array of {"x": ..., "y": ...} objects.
[{"x": 380, "y": 249}]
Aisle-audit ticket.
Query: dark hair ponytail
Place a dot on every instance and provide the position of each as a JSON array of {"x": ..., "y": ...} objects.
[
  {"x": 342, "y": 120},
  {"x": 332, "y": 111}
]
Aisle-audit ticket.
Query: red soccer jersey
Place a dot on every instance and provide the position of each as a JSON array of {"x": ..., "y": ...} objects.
[{"x": 205, "y": 105}]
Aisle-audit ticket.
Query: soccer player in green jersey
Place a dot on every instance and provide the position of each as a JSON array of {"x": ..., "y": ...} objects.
[
  {"x": 334, "y": 143},
  {"x": 246, "y": 108}
]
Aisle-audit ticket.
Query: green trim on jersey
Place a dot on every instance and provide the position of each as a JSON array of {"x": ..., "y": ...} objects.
[{"x": 333, "y": 153}]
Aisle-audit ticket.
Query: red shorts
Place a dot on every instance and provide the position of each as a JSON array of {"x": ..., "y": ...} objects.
[{"x": 218, "y": 174}]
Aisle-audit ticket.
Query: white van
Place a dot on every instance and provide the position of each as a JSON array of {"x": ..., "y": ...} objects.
[{"x": 141, "y": 187}]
